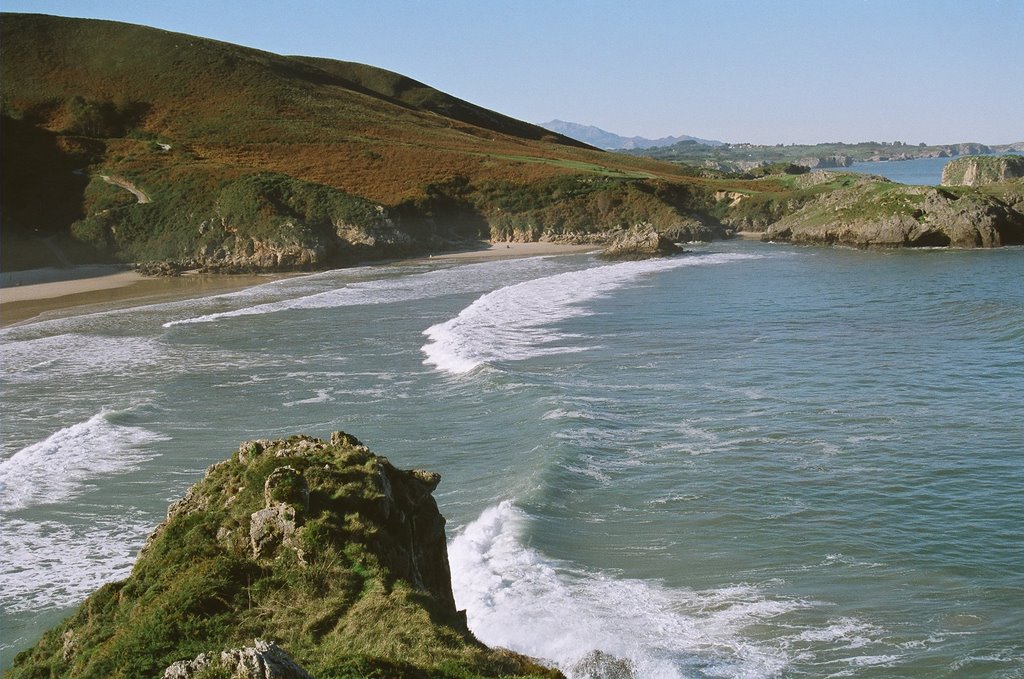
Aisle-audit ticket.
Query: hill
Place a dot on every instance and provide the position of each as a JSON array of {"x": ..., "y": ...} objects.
[
  {"x": 321, "y": 546},
  {"x": 129, "y": 144},
  {"x": 232, "y": 144},
  {"x": 610, "y": 141}
]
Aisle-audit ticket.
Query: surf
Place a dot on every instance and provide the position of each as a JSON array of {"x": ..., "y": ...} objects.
[{"x": 519, "y": 321}]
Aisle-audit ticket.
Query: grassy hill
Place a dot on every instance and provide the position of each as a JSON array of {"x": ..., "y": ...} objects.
[
  {"x": 185, "y": 118},
  {"x": 127, "y": 143}
]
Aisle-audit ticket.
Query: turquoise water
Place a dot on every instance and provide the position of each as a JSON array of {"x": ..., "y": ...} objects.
[{"x": 749, "y": 461}]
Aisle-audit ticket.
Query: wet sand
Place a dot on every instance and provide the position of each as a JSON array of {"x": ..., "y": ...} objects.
[{"x": 39, "y": 294}]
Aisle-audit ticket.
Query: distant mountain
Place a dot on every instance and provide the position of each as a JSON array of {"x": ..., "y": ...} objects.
[{"x": 610, "y": 141}]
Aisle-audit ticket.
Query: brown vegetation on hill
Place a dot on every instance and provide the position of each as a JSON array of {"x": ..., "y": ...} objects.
[{"x": 195, "y": 123}]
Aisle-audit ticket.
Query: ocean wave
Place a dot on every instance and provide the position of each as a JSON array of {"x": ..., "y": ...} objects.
[
  {"x": 516, "y": 322},
  {"x": 30, "y": 360},
  {"x": 62, "y": 465},
  {"x": 51, "y": 564},
  {"x": 327, "y": 294},
  {"x": 518, "y": 598}
]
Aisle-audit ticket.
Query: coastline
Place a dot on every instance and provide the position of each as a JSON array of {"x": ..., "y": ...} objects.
[{"x": 38, "y": 294}]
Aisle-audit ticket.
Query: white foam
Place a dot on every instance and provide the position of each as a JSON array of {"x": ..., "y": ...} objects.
[
  {"x": 322, "y": 396},
  {"x": 50, "y": 564},
  {"x": 403, "y": 288},
  {"x": 517, "y": 598},
  {"x": 61, "y": 466},
  {"x": 516, "y": 322},
  {"x": 30, "y": 360}
]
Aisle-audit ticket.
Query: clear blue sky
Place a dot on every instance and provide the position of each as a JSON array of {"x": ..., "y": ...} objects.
[{"x": 775, "y": 71}]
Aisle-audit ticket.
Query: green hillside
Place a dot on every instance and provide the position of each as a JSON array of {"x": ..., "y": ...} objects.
[
  {"x": 126, "y": 143},
  {"x": 185, "y": 118}
]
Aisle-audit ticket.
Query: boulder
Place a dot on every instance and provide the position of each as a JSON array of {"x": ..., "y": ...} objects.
[
  {"x": 640, "y": 242},
  {"x": 262, "y": 660}
]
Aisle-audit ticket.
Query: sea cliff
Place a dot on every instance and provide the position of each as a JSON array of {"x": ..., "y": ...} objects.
[
  {"x": 982, "y": 170},
  {"x": 877, "y": 214},
  {"x": 293, "y": 558}
]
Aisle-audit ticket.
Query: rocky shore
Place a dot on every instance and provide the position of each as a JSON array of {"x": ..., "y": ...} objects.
[{"x": 979, "y": 205}]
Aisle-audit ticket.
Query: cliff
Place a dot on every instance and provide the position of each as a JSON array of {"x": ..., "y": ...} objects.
[
  {"x": 293, "y": 558},
  {"x": 981, "y": 170},
  {"x": 875, "y": 214}
]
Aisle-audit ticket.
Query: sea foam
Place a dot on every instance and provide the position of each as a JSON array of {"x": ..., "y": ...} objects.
[
  {"x": 60, "y": 466},
  {"x": 518, "y": 598},
  {"x": 518, "y": 321},
  {"x": 52, "y": 564},
  {"x": 325, "y": 292}
]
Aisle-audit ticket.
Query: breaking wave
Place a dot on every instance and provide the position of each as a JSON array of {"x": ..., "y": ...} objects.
[
  {"x": 62, "y": 465},
  {"x": 329, "y": 293},
  {"x": 517, "y": 322},
  {"x": 518, "y": 598}
]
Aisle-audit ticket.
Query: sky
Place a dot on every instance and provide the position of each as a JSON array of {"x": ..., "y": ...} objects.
[{"x": 768, "y": 72}]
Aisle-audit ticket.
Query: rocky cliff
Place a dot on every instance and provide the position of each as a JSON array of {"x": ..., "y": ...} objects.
[
  {"x": 819, "y": 162},
  {"x": 981, "y": 170},
  {"x": 294, "y": 558},
  {"x": 888, "y": 215}
]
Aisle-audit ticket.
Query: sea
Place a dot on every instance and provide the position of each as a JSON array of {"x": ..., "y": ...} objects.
[
  {"x": 750, "y": 460},
  {"x": 921, "y": 171}
]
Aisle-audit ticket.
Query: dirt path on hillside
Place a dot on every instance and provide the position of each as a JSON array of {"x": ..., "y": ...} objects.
[{"x": 127, "y": 186}]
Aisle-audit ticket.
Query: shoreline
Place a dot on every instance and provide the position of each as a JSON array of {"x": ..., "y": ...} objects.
[{"x": 40, "y": 294}]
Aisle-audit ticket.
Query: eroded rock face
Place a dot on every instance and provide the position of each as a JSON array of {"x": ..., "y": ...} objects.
[
  {"x": 270, "y": 528},
  {"x": 981, "y": 170},
  {"x": 262, "y": 660},
  {"x": 902, "y": 216},
  {"x": 640, "y": 242},
  {"x": 286, "y": 495}
]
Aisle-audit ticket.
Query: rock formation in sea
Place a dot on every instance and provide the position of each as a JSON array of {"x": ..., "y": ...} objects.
[
  {"x": 293, "y": 558},
  {"x": 640, "y": 242}
]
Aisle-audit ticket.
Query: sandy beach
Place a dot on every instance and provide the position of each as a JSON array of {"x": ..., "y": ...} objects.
[{"x": 48, "y": 293}]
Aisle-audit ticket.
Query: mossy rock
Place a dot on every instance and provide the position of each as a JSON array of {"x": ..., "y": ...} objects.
[{"x": 360, "y": 588}]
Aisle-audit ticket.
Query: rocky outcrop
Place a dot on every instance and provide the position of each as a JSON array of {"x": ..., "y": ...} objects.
[
  {"x": 322, "y": 546},
  {"x": 819, "y": 162},
  {"x": 262, "y": 660},
  {"x": 286, "y": 495},
  {"x": 891, "y": 216},
  {"x": 640, "y": 242},
  {"x": 981, "y": 170}
]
